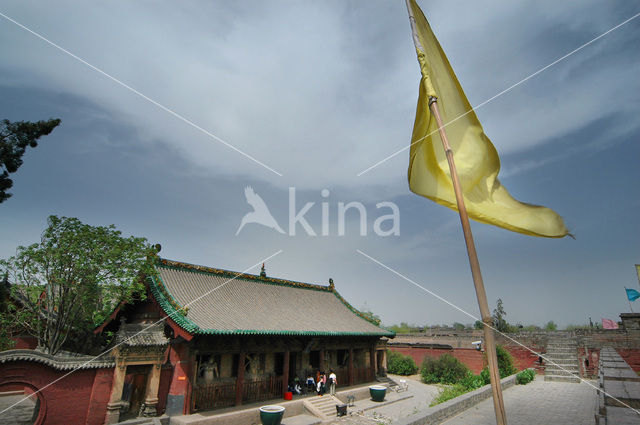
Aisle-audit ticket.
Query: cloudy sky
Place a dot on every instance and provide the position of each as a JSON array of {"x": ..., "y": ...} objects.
[{"x": 310, "y": 94}]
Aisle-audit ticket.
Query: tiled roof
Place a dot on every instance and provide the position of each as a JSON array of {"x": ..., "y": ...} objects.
[
  {"x": 61, "y": 361},
  {"x": 249, "y": 304},
  {"x": 141, "y": 334}
]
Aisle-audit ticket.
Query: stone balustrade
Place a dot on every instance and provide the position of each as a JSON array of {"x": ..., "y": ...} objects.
[{"x": 619, "y": 391}]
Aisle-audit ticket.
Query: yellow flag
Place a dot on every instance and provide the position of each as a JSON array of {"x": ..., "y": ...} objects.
[{"x": 476, "y": 158}]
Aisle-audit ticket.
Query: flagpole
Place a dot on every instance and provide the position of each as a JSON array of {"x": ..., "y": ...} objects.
[
  {"x": 490, "y": 344},
  {"x": 625, "y": 289}
]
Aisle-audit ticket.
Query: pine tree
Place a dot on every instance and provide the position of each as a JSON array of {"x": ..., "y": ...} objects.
[{"x": 14, "y": 139}]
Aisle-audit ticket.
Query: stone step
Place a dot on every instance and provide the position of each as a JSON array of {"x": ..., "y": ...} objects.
[
  {"x": 560, "y": 378},
  {"x": 562, "y": 373},
  {"x": 566, "y": 367},
  {"x": 573, "y": 365},
  {"x": 567, "y": 355},
  {"x": 572, "y": 361}
]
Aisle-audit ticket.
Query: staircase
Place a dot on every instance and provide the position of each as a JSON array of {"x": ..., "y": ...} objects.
[
  {"x": 385, "y": 380},
  {"x": 563, "y": 351},
  {"x": 323, "y": 407}
]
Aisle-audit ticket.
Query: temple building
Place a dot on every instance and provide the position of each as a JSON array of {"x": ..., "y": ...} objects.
[{"x": 229, "y": 338}]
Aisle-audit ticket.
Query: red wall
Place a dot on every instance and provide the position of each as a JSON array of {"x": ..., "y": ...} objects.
[
  {"x": 470, "y": 357},
  {"x": 473, "y": 359},
  {"x": 163, "y": 388},
  {"x": 25, "y": 342},
  {"x": 80, "y": 398},
  {"x": 631, "y": 356},
  {"x": 523, "y": 358}
]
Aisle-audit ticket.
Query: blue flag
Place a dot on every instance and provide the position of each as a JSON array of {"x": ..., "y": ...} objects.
[{"x": 632, "y": 294}]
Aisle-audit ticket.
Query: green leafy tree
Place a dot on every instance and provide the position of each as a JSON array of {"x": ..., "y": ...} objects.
[
  {"x": 550, "y": 326},
  {"x": 478, "y": 325},
  {"x": 14, "y": 139},
  {"x": 458, "y": 326},
  {"x": 74, "y": 277},
  {"x": 499, "y": 320}
]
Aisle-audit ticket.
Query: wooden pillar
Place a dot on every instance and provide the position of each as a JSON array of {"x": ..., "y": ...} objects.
[
  {"x": 322, "y": 359},
  {"x": 372, "y": 361},
  {"x": 240, "y": 378},
  {"x": 113, "y": 407},
  {"x": 351, "y": 380},
  {"x": 285, "y": 372}
]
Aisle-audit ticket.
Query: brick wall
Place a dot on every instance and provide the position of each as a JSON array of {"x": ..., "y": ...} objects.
[
  {"x": 473, "y": 359},
  {"x": 25, "y": 342},
  {"x": 524, "y": 358},
  {"x": 588, "y": 361},
  {"x": 470, "y": 357},
  {"x": 631, "y": 356},
  {"x": 80, "y": 398}
]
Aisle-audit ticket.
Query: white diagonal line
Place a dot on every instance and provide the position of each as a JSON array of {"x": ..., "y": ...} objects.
[
  {"x": 164, "y": 108},
  {"x": 501, "y": 93},
  {"x": 138, "y": 333},
  {"x": 491, "y": 327}
]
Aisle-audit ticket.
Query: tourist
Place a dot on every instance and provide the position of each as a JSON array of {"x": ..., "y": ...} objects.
[
  {"x": 332, "y": 383},
  {"x": 311, "y": 383}
]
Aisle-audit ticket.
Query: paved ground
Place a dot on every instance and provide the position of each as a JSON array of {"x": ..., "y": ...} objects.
[
  {"x": 539, "y": 402},
  {"x": 418, "y": 396}
]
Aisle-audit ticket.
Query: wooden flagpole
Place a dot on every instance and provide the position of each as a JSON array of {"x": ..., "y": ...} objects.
[
  {"x": 490, "y": 344},
  {"x": 625, "y": 292}
]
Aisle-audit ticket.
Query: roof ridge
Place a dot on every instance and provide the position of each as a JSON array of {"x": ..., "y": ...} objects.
[{"x": 180, "y": 265}]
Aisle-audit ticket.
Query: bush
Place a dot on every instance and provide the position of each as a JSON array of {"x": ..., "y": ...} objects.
[
  {"x": 399, "y": 364},
  {"x": 505, "y": 365},
  {"x": 448, "y": 393},
  {"x": 525, "y": 376},
  {"x": 505, "y": 362},
  {"x": 445, "y": 370},
  {"x": 471, "y": 382}
]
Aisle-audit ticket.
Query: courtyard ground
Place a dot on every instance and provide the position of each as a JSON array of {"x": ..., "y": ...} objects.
[{"x": 539, "y": 402}]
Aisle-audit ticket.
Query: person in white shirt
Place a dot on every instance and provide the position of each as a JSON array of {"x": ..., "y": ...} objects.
[{"x": 332, "y": 383}]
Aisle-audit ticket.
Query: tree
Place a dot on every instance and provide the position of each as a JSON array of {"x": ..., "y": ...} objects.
[
  {"x": 74, "y": 277},
  {"x": 499, "y": 320},
  {"x": 550, "y": 326},
  {"x": 478, "y": 325},
  {"x": 458, "y": 326},
  {"x": 14, "y": 139}
]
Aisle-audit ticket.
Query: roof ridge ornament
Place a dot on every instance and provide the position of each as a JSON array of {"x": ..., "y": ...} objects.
[
  {"x": 263, "y": 272},
  {"x": 332, "y": 287}
]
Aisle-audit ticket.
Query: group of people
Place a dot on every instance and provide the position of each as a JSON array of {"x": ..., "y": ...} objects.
[{"x": 322, "y": 382}]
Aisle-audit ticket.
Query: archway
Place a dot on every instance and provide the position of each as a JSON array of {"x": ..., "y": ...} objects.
[{"x": 31, "y": 411}]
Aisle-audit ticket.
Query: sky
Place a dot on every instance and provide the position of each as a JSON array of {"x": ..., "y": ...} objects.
[{"x": 308, "y": 94}]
